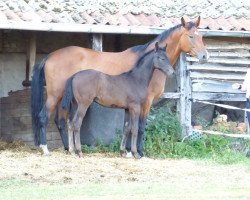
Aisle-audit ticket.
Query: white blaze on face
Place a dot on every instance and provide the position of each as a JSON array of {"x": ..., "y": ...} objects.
[{"x": 196, "y": 33}]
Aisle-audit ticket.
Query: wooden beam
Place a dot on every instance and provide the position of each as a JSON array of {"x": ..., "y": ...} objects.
[
  {"x": 184, "y": 87},
  {"x": 32, "y": 53},
  {"x": 30, "y": 58},
  {"x": 97, "y": 42},
  {"x": 206, "y": 96}
]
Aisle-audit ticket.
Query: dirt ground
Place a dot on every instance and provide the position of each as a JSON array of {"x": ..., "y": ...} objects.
[{"x": 19, "y": 161}]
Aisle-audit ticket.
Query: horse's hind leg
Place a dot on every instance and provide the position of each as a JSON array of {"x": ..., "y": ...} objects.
[
  {"x": 126, "y": 131},
  {"x": 60, "y": 121},
  {"x": 44, "y": 116},
  {"x": 43, "y": 120}
]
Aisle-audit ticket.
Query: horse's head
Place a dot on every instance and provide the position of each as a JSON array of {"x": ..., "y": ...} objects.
[
  {"x": 161, "y": 61},
  {"x": 191, "y": 40}
]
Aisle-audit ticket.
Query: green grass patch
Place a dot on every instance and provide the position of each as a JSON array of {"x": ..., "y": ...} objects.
[
  {"x": 15, "y": 189},
  {"x": 162, "y": 139}
]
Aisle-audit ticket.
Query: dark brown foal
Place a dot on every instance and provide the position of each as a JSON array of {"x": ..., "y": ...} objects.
[{"x": 127, "y": 91}]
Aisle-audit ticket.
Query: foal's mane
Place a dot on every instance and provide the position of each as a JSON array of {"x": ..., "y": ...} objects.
[
  {"x": 141, "y": 48},
  {"x": 138, "y": 62}
]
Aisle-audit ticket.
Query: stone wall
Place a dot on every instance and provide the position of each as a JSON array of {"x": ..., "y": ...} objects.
[{"x": 16, "y": 120}]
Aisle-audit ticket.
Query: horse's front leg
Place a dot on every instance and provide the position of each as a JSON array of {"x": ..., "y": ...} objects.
[
  {"x": 126, "y": 131},
  {"x": 145, "y": 109}
]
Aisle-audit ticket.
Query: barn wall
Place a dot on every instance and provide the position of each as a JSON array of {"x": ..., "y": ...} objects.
[
  {"x": 212, "y": 81},
  {"x": 15, "y": 102}
]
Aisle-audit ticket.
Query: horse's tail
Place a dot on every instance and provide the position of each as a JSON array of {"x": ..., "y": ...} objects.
[
  {"x": 37, "y": 97},
  {"x": 68, "y": 94}
]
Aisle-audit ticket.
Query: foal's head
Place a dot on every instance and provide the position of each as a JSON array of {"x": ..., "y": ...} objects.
[
  {"x": 161, "y": 61},
  {"x": 191, "y": 40}
]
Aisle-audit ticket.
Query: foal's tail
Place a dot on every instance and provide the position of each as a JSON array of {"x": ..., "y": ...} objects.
[
  {"x": 68, "y": 94},
  {"x": 37, "y": 97}
]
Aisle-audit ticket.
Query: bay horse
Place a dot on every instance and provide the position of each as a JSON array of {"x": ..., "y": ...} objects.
[
  {"x": 127, "y": 91},
  {"x": 59, "y": 65}
]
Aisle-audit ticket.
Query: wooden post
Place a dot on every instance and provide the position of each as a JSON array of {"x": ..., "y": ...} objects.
[
  {"x": 32, "y": 53},
  {"x": 184, "y": 103},
  {"x": 97, "y": 42},
  {"x": 30, "y": 58}
]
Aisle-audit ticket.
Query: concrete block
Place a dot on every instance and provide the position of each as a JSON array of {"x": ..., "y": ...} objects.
[{"x": 101, "y": 123}]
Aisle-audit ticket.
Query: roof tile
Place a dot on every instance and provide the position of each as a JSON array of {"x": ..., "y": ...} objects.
[
  {"x": 132, "y": 19},
  {"x": 99, "y": 18},
  {"x": 87, "y": 18},
  {"x": 45, "y": 16},
  {"x": 112, "y": 20},
  {"x": 122, "y": 20},
  {"x": 216, "y": 15},
  {"x": 11, "y": 15}
]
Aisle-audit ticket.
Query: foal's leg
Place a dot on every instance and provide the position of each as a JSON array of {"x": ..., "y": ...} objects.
[
  {"x": 134, "y": 113},
  {"x": 44, "y": 116},
  {"x": 77, "y": 122},
  {"x": 126, "y": 131},
  {"x": 71, "y": 137},
  {"x": 60, "y": 121}
]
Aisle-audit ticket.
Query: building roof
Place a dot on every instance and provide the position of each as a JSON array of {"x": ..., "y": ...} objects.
[{"x": 225, "y": 15}]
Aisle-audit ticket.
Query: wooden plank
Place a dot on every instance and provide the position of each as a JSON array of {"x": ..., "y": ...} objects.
[
  {"x": 219, "y": 45},
  {"x": 238, "y": 61},
  {"x": 236, "y": 54},
  {"x": 215, "y": 67},
  {"x": 205, "y": 96},
  {"x": 211, "y": 87},
  {"x": 223, "y": 76},
  {"x": 171, "y": 95}
]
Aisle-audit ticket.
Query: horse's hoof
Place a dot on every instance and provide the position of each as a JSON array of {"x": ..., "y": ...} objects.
[
  {"x": 123, "y": 153},
  {"x": 141, "y": 153},
  {"x": 136, "y": 155}
]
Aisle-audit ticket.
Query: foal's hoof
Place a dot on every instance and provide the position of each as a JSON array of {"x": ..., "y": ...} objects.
[
  {"x": 47, "y": 154},
  {"x": 136, "y": 155},
  {"x": 123, "y": 153},
  {"x": 79, "y": 153}
]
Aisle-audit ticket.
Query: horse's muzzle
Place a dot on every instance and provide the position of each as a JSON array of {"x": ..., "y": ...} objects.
[{"x": 203, "y": 57}]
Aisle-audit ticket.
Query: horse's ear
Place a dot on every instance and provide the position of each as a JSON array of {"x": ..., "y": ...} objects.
[
  {"x": 197, "y": 23},
  {"x": 183, "y": 22},
  {"x": 165, "y": 47},
  {"x": 156, "y": 46}
]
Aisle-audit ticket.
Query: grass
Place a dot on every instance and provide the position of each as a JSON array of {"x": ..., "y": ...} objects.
[{"x": 20, "y": 189}]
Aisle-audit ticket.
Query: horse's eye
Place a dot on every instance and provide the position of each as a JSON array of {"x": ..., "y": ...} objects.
[{"x": 191, "y": 36}]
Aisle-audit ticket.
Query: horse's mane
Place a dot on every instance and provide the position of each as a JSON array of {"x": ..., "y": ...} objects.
[{"x": 159, "y": 38}]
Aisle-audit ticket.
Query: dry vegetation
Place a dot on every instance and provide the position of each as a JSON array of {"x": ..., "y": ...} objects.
[{"x": 19, "y": 161}]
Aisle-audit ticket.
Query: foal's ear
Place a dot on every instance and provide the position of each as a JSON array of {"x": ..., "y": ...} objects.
[
  {"x": 156, "y": 46},
  {"x": 197, "y": 22}
]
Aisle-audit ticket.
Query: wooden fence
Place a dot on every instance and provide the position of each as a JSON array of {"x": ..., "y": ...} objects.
[{"x": 211, "y": 81}]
